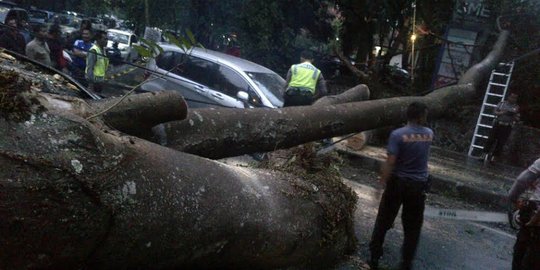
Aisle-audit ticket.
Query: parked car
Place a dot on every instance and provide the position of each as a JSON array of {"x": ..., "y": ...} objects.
[
  {"x": 8, "y": 4},
  {"x": 40, "y": 16},
  {"x": 212, "y": 79},
  {"x": 7, "y": 11},
  {"x": 125, "y": 41}
]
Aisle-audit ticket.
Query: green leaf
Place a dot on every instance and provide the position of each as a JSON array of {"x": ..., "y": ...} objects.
[
  {"x": 146, "y": 42},
  {"x": 152, "y": 45},
  {"x": 142, "y": 51},
  {"x": 186, "y": 43},
  {"x": 191, "y": 36},
  {"x": 173, "y": 39}
]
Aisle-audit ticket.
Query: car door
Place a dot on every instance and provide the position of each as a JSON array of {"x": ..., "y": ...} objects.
[
  {"x": 169, "y": 66},
  {"x": 231, "y": 82},
  {"x": 206, "y": 76}
]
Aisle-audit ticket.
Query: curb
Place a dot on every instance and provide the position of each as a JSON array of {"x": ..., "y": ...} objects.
[{"x": 442, "y": 185}]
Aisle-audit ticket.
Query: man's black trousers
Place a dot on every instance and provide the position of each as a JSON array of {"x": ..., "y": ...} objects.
[
  {"x": 527, "y": 249},
  {"x": 410, "y": 194},
  {"x": 499, "y": 135},
  {"x": 297, "y": 98}
]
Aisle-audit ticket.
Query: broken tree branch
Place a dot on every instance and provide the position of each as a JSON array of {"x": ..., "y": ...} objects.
[
  {"x": 137, "y": 114},
  {"x": 358, "y": 73}
]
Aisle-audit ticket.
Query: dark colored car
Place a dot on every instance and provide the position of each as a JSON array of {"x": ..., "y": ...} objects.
[
  {"x": 40, "y": 16},
  {"x": 7, "y": 11}
]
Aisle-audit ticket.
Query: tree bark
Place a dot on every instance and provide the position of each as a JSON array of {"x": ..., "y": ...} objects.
[
  {"x": 223, "y": 132},
  {"x": 76, "y": 194},
  {"x": 137, "y": 114},
  {"x": 357, "y": 93}
]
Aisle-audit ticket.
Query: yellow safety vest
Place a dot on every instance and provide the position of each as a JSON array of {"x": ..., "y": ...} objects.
[
  {"x": 102, "y": 62},
  {"x": 304, "y": 75}
]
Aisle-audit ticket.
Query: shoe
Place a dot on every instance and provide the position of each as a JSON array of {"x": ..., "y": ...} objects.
[
  {"x": 405, "y": 266},
  {"x": 373, "y": 263}
]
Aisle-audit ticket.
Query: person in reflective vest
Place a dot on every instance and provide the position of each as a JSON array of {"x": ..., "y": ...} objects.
[
  {"x": 97, "y": 62},
  {"x": 305, "y": 82}
]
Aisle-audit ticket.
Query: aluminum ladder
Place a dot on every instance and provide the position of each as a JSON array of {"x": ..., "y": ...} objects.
[{"x": 495, "y": 93}]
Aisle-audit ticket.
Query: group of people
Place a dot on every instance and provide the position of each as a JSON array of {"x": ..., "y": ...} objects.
[
  {"x": 405, "y": 172},
  {"x": 89, "y": 62}
]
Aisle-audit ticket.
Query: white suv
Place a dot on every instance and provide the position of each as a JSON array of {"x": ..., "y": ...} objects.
[
  {"x": 125, "y": 40},
  {"x": 212, "y": 79}
]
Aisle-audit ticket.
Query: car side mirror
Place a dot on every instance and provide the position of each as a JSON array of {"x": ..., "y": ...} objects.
[{"x": 243, "y": 96}]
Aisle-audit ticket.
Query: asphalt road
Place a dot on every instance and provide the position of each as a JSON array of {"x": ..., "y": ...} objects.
[{"x": 444, "y": 244}]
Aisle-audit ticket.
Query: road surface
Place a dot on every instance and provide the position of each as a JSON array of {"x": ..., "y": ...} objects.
[{"x": 444, "y": 244}]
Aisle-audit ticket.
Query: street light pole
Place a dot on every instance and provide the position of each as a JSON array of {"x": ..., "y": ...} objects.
[{"x": 413, "y": 40}]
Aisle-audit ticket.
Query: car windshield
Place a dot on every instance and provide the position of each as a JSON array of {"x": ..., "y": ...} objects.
[
  {"x": 271, "y": 85},
  {"x": 117, "y": 37}
]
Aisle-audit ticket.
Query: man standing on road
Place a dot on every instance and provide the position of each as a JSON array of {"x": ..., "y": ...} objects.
[
  {"x": 527, "y": 247},
  {"x": 80, "y": 51},
  {"x": 507, "y": 114},
  {"x": 305, "y": 82},
  {"x": 38, "y": 49},
  {"x": 97, "y": 62},
  {"x": 405, "y": 174}
]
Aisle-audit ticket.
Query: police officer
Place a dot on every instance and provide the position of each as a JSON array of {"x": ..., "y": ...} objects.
[
  {"x": 97, "y": 62},
  {"x": 527, "y": 247},
  {"x": 305, "y": 83},
  {"x": 405, "y": 174}
]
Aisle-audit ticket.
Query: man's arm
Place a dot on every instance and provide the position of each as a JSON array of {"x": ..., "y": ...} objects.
[
  {"x": 387, "y": 168},
  {"x": 524, "y": 180},
  {"x": 321, "y": 87},
  {"x": 90, "y": 63},
  {"x": 78, "y": 51},
  {"x": 29, "y": 51},
  {"x": 498, "y": 109},
  {"x": 287, "y": 80},
  {"x": 517, "y": 115}
]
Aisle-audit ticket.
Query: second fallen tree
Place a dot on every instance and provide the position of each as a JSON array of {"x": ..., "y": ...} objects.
[{"x": 223, "y": 132}]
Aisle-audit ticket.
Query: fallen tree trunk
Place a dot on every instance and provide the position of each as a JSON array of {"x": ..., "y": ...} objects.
[
  {"x": 357, "y": 93},
  {"x": 76, "y": 194},
  {"x": 137, "y": 114},
  {"x": 223, "y": 132}
]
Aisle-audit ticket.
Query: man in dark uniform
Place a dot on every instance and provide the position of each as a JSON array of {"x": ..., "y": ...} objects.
[
  {"x": 405, "y": 174},
  {"x": 527, "y": 247}
]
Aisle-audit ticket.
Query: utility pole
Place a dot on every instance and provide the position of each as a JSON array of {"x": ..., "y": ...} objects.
[
  {"x": 413, "y": 40},
  {"x": 146, "y": 13}
]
